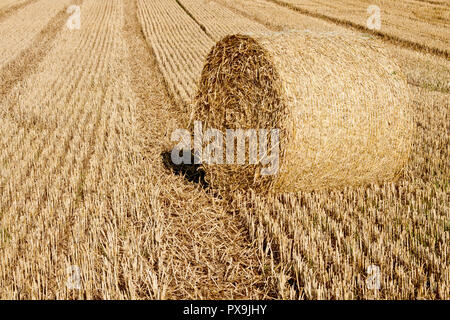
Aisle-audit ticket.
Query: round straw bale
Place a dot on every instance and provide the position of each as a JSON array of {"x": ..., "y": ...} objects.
[{"x": 340, "y": 103}]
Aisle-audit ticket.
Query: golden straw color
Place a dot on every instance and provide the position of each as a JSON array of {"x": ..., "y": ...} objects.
[{"x": 340, "y": 102}]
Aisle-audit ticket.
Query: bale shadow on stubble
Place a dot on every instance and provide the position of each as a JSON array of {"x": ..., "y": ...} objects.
[{"x": 191, "y": 172}]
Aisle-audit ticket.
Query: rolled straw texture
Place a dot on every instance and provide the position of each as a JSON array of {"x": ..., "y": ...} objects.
[{"x": 341, "y": 104}]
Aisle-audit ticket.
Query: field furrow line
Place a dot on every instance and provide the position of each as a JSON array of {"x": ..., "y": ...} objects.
[
  {"x": 63, "y": 149},
  {"x": 10, "y": 7},
  {"x": 218, "y": 20},
  {"x": 18, "y": 108},
  {"x": 20, "y": 68},
  {"x": 80, "y": 209},
  {"x": 422, "y": 69},
  {"x": 188, "y": 12},
  {"x": 180, "y": 25},
  {"x": 432, "y": 2},
  {"x": 179, "y": 43},
  {"x": 27, "y": 24},
  {"x": 393, "y": 38},
  {"x": 81, "y": 133},
  {"x": 206, "y": 253}
]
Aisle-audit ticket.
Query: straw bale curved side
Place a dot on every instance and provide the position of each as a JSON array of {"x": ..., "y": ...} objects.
[{"x": 340, "y": 102}]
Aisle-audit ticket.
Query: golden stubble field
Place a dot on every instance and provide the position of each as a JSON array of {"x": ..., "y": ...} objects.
[{"x": 87, "y": 195}]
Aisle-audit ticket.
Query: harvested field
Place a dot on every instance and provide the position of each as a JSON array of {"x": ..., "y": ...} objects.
[
  {"x": 8, "y": 7},
  {"x": 179, "y": 43},
  {"x": 217, "y": 20},
  {"x": 27, "y": 23},
  {"x": 87, "y": 184},
  {"x": 422, "y": 25},
  {"x": 421, "y": 69}
]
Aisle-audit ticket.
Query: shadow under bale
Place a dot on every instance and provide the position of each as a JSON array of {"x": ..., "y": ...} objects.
[{"x": 191, "y": 172}]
